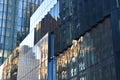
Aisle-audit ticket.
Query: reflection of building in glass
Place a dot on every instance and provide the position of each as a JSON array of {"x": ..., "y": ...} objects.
[
  {"x": 33, "y": 64},
  {"x": 14, "y": 23},
  {"x": 27, "y": 62},
  {"x": 43, "y": 67},
  {"x": 25, "y": 9},
  {"x": 7, "y": 30},
  {"x": 97, "y": 22},
  {"x": 90, "y": 57},
  {"x": 88, "y": 47},
  {"x": 10, "y": 66},
  {"x": 48, "y": 24}
]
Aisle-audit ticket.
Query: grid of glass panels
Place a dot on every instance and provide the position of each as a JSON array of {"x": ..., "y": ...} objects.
[
  {"x": 7, "y": 30},
  {"x": 50, "y": 23},
  {"x": 90, "y": 57},
  {"x": 43, "y": 10},
  {"x": 14, "y": 22},
  {"x": 33, "y": 62},
  {"x": 25, "y": 9}
]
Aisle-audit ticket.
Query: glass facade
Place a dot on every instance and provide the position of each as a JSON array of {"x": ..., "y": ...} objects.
[
  {"x": 25, "y": 9},
  {"x": 7, "y": 30},
  {"x": 90, "y": 57},
  {"x": 40, "y": 13},
  {"x": 14, "y": 23},
  {"x": 33, "y": 59},
  {"x": 33, "y": 62},
  {"x": 46, "y": 19},
  {"x": 9, "y": 71},
  {"x": 86, "y": 39},
  {"x": 115, "y": 15},
  {"x": 80, "y": 16}
]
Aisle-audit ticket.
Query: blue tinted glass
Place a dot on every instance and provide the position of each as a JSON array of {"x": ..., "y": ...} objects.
[
  {"x": 1, "y": 1},
  {"x": 1, "y": 7},
  {"x": 0, "y": 21},
  {"x": 20, "y": 4}
]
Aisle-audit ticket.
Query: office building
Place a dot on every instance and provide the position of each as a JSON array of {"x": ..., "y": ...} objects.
[
  {"x": 90, "y": 57},
  {"x": 14, "y": 23},
  {"x": 10, "y": 66},
  {"x": 90, "y": 47},
  {"x": 89, "y": 41},
  {"x": 36, "y": 57},
  {"x": 7, "y": 30}
]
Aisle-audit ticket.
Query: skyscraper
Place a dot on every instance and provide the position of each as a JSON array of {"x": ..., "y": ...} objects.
[
  {"x": 14, "y": 23},
  {"x": 90, "y": 46},
  {"x": 7, "y": 30}
]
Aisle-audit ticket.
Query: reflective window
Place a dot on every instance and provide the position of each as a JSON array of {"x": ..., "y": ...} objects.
[
  {"x": 91, "y": 55},
  {"x": 1, "y": 1},
  {"x": 33, "y": 63},
  {"x": 1, "y": 7}
]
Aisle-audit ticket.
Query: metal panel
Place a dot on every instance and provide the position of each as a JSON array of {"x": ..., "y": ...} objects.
[
  {"x": 106, "y": 7},
  {"x": 115, "y": 18},
  {"x": 65, "y": 37},
  {"x": 114, "y": 4},
  {"x": 115, "y": 26},
  {"x": 92, "y": 12},
  {"x": 99, "y": 10},
  {"x": 90, "y": 57}
]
